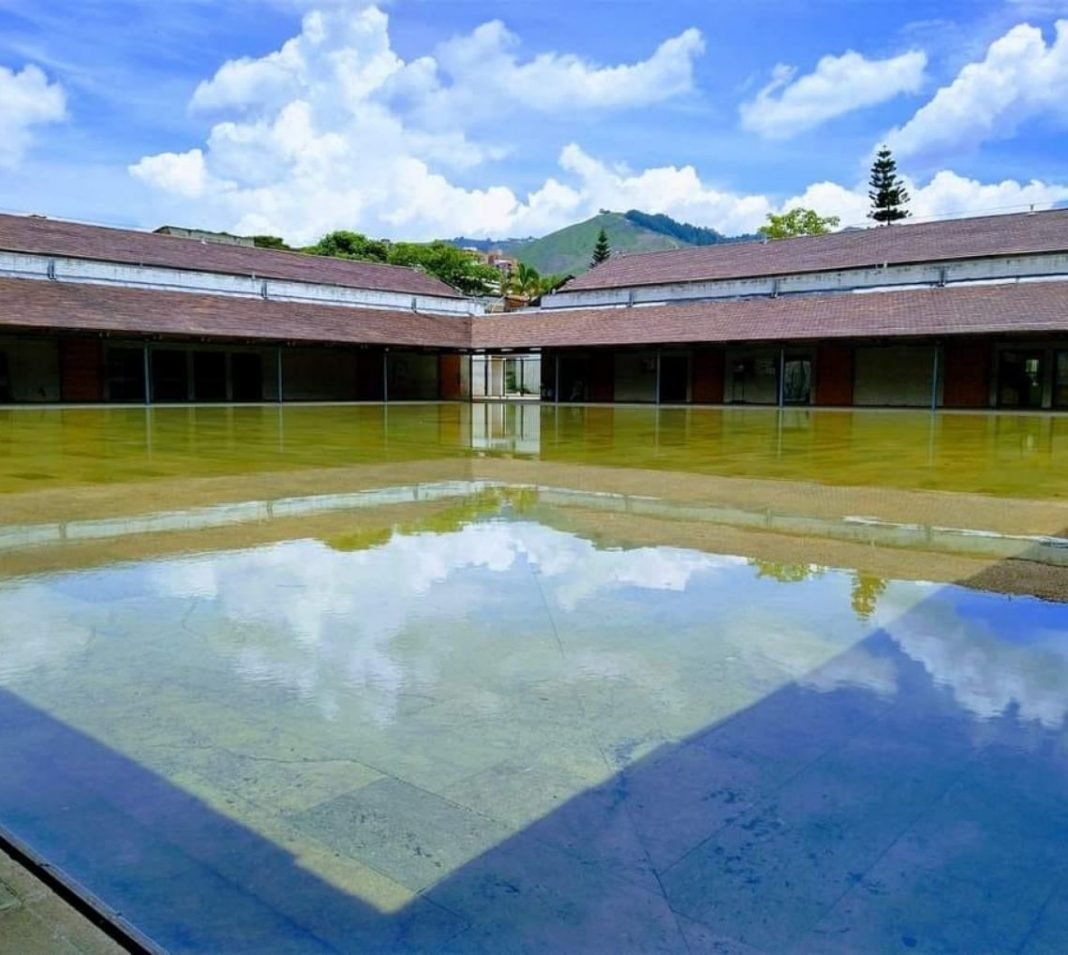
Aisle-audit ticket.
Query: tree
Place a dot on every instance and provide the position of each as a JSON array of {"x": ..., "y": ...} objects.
[
  {"x": 463, "y": 270},
  {"x": 797, "y": 221},
  {"x": 351, "y": 245},
  {"x": 525, "y": 281},
  {"x": 601, "y": 251},
  {"x": 888, "y": 194},
  {"x": 866, "y": 593},
  {"x": 683, "y": 231},
  {"x": 550, "y": 283},
  {"x": 785, "y": 573},
  {"x": 270, "y": 242}
]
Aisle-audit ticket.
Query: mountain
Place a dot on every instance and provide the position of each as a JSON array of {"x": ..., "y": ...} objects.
[
  {"x": 567, "y": 251},
  {"x": 488, "y": 245}
]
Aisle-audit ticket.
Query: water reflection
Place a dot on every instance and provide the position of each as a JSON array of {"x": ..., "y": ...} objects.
[
  {"x": 392, "y": 615},
  {"x": 512, "y": 682},
  {"x": 386, "y": 689},
  {"x": 997, "y": 656},
  {"x": 1003, "y": 454}
]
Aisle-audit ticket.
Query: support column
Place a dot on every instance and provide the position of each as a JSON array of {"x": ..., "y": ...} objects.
[
  {"x": 148, "y": 375},
  {"x": 278, "y": 373},
  {"x": 385, "y": 375},
  {"x": 658, "y": 380},
  {"x": 934, "y": 379},
  {"x": 556, "y": 382},
  {"x": 782, "y": 377}
]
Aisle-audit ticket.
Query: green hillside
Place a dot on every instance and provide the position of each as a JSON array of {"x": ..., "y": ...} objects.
[{"x": 568, "y": 251}]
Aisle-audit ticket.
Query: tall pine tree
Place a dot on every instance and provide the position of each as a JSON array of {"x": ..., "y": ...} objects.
[
  {"x": 601, "y": 251},
  {"x": 888, "y": 194}
]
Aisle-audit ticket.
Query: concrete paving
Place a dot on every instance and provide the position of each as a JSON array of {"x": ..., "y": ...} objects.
[{"x": 36, "y": 921}]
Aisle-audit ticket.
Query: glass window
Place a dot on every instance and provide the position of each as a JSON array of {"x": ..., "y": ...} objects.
[
  {"x": 126, "y": 374},
  {"x": 1020, "y": 376},
  {"x": 209, "y": 375},
  {"x": 797, "y": 381},
  {"x": 170, "y": 375},
  {"x": 1060, "y": 382},
  {"x": 246, "y": 371},
  {"x": 5, "y": 378}
]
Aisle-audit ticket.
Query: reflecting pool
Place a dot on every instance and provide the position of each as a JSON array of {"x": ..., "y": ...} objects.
[{"x": 505, "y": 678}]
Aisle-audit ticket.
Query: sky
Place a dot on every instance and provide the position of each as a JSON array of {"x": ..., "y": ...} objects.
[{"x": 422, "y": 119}]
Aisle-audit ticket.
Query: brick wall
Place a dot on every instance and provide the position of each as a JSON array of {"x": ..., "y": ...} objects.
[
  {"x": 80, "y": 364},
  {"x": 708, "y": 372},
  {"x": 966, "y": 375},
  {"x": 449, "y": 376},
  {"x": 602, "y": 376},
  {"x": 834, "y": 375}
]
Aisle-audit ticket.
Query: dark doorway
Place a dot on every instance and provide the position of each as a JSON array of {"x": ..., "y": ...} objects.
[
  {"x": 246, "y": 376},
  {"x": 674, "y": 379},
  {"x": 1020, "y": 379},
  {"x": 574, "y": 378},
  {"x": 170, "y": 375},
  {"x": 5, "y": 378},
  {"x": 1060, "y": 381},
  {"x": 369, "y": 381},
  {"x": 125, "y": 374},
  {"x": 797, "y": 381},
  {"x": 209, "y": 375}
]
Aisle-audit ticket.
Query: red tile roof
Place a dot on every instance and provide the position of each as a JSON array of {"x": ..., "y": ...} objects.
[
  {"x": 36, "y": 304},
  {"x": 1015, "y": 308},
  {"x": 55, "y": 237},
  {"x": 977, "y": 309},
  {"x": 978, "y": 237}
]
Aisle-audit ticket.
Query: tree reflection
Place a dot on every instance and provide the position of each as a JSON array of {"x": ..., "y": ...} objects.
[
  {"x": 867, "y": 589},
  {"x": 786, "y": 573}
]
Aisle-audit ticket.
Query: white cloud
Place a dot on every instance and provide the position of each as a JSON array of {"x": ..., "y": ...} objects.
[
  {"x": 839, "y": 84},
  {"x": 27, "y": 99},
  {"x": 343, "y": 59},
  {"x": 1020, "y": 77},
  {"x": 483, "y": 71},
  {"x": 183, "y": 174},
  {"x": 335, "y": 130},
  {"x": 42, "y": 628},
  {"x": 344, "y": 610},
  {"x": 676, "y": 191},
  {"x": 987, "y": 675},
  {"x": 948, "y": 194},
  {"x": 945, "y": 195}
]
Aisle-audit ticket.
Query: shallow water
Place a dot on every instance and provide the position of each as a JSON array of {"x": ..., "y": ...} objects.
[{"x": 500, "y": 678}]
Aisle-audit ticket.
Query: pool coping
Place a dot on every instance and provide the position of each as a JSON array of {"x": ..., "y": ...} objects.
[{"x": 84, "y": 903}]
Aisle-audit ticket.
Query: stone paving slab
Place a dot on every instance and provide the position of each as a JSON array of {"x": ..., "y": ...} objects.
[{"x": 36, "y": 921}]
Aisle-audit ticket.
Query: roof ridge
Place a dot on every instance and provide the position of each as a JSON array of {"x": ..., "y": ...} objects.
[
  {"x": 942, "y": 240},
  {"x": 154, "y": 235},
  {"x": 845, "y": 231},
  {"x": 45, "y": 235}
]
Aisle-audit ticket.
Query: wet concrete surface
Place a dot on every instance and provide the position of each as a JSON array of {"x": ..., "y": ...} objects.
[{"x": 36, "y": 921}]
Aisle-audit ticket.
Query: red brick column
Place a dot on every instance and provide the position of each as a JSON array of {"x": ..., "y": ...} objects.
[
  {"x": 81, "y": 371},
  {"x": 966, "y": 379},
  {"x": 834, "y": 375},
  {"x": 708, "y": 376}
]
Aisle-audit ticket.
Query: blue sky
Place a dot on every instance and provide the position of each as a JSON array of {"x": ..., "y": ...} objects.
[{"x": 424, "y": 118}]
